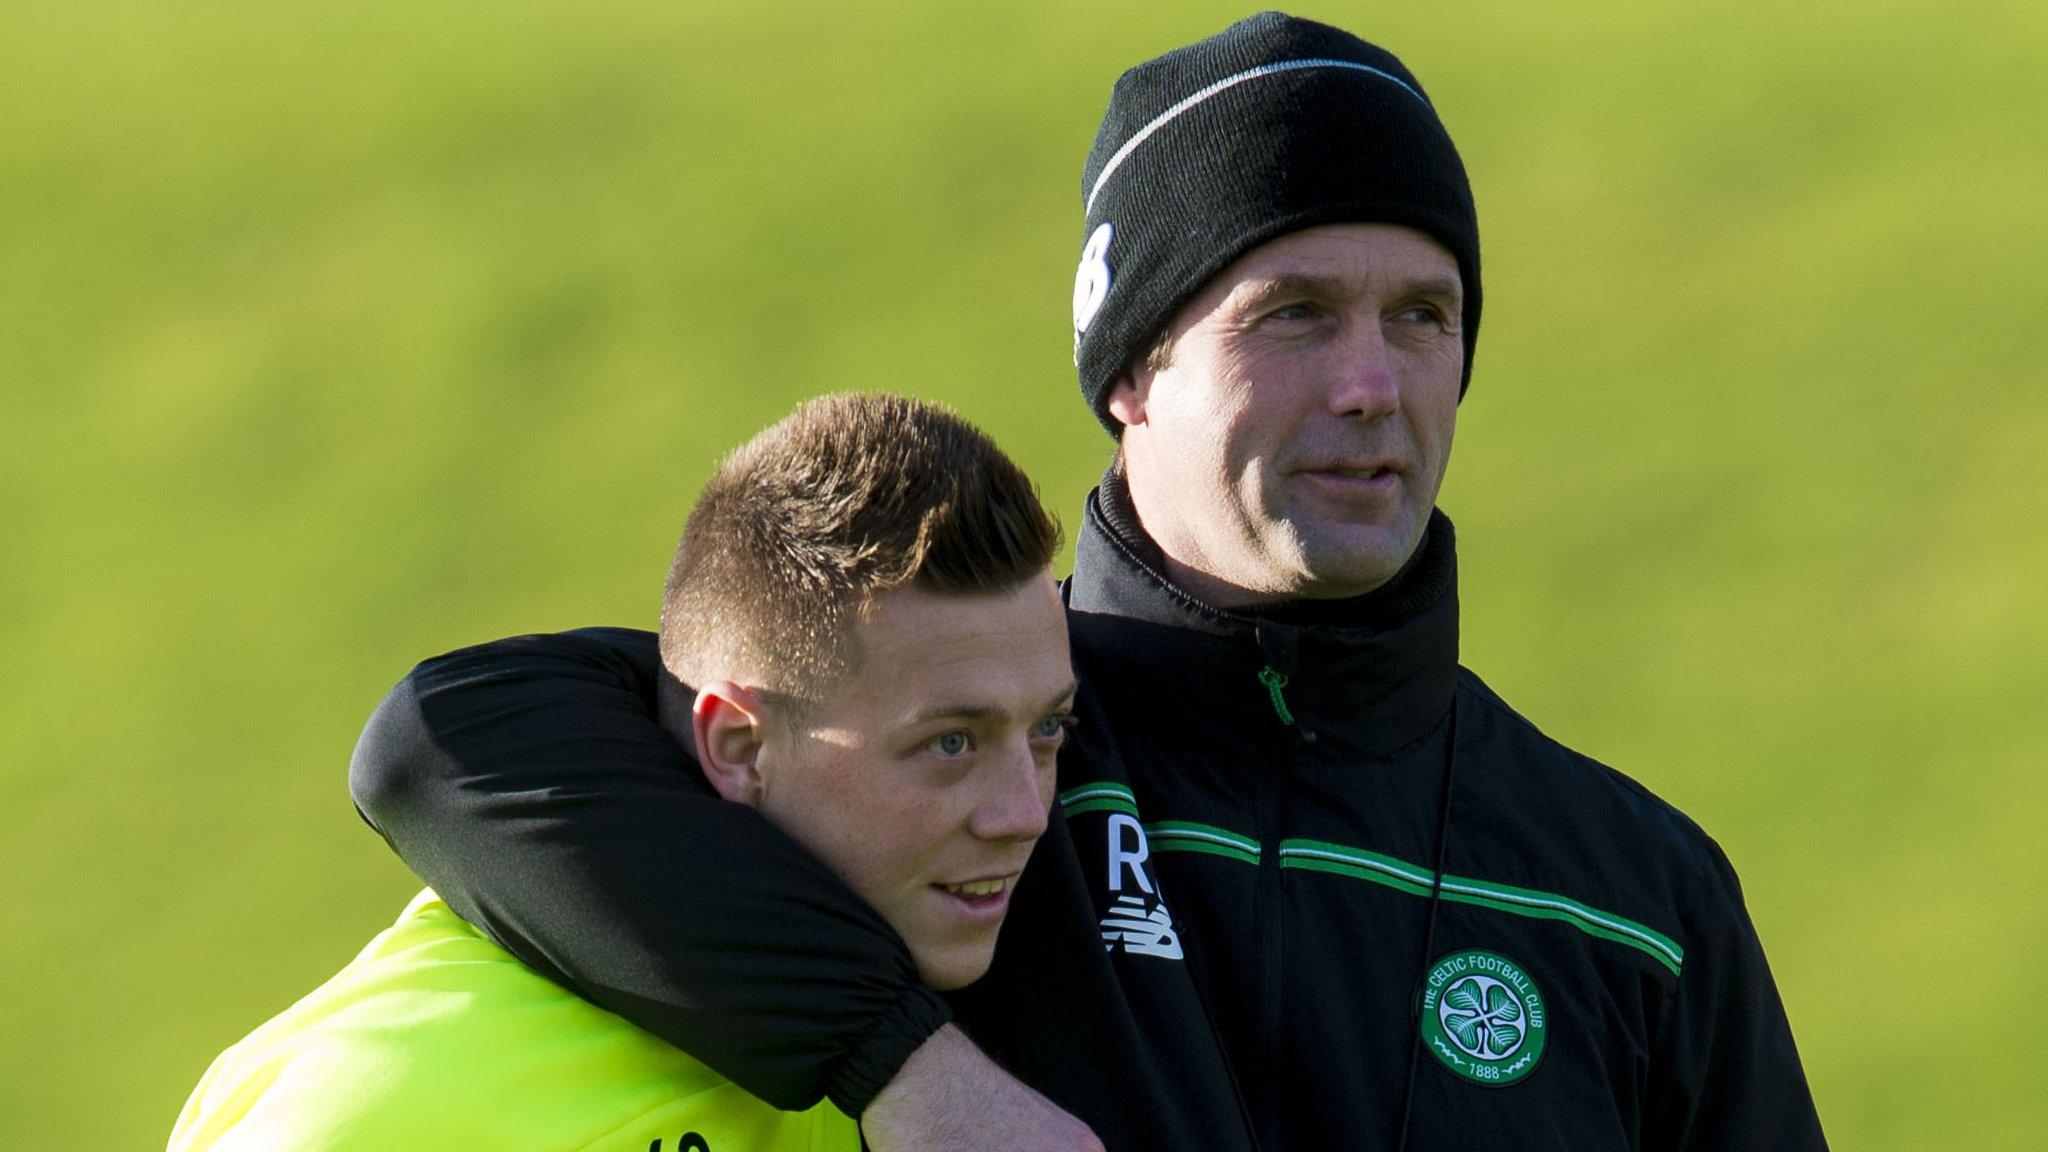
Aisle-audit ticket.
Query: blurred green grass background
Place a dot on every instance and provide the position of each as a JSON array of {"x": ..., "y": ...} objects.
[{"x": 335, "y": 336}]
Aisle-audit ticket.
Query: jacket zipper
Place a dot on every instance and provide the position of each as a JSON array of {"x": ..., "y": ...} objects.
[
  {"x": 1275, "y": 680},
  {"x": 1278, "y": 646}
]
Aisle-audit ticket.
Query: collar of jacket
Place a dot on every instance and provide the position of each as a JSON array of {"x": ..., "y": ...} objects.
[{"x": 1380, "y": 669}]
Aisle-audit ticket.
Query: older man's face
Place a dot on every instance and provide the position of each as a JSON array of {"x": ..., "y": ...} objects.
[{"x": 1293, "y": 445}]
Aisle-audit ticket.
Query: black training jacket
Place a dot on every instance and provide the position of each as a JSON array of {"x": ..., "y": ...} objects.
[{"x": 1236, "y": 938}]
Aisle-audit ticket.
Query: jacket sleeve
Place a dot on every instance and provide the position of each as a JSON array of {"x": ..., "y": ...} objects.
[
  {"x": 527, "y": 782},
  {"x": 1727, "y": 1076}
]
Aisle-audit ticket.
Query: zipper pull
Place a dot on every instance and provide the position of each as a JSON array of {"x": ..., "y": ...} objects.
[{"x": 1275, "y": 680}]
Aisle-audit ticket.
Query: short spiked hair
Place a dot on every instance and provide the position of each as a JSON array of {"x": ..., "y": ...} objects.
[{"x": 803, "y": 526}]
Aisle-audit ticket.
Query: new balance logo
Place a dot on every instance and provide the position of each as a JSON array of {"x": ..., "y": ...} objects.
[
  {"x": 1137, "y": 920},
  {"x": 1143, "y": 929}
]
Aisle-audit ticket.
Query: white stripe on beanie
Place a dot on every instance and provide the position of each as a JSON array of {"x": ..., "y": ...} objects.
[{"x": 1167, "y": 117}]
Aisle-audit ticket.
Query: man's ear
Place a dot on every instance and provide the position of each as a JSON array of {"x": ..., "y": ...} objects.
[
  {"x": 1127, "y": 397},
  {"x": 730, "y": 724}
]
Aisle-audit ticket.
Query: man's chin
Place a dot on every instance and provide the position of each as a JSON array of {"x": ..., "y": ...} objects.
[
  {"x": 1342, "y": 561},
  {"x": 948, "y": 970}
]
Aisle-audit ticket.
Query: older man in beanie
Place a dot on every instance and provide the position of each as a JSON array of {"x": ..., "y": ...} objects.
[{"x": 1316, "y": 886}]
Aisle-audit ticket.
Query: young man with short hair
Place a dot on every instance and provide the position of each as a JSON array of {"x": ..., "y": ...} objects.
[
  {"x": 1316, "y": 886},
  {"x": 863, "y": 602}
]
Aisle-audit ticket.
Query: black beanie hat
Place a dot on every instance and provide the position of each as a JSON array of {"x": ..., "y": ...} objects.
[{"x": 1272, "y": 125}]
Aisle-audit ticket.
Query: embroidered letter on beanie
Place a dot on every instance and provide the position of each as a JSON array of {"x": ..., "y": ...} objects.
[{"x": 1091, "y": 279}]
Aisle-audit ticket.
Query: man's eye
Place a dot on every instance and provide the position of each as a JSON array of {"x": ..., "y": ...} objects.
[
  {"x": 951, "y": 744},
  {"x": 1292, "y": 312},
  {"x": 1052, "y": 727}
]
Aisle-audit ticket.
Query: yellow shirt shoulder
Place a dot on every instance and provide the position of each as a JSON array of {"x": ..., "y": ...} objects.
[{"x": 434, "y": 1037}]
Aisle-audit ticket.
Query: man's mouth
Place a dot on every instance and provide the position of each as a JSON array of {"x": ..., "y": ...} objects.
[
  {"x": 1351, "y": 475},
  {"x": 1363, "y": 466},
  {"x": 978, "y": 889},
  {"x": 983, "y": 900}
]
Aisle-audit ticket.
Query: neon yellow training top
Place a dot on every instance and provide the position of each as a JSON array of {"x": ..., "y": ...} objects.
[{"x": 436, "y": 1038}]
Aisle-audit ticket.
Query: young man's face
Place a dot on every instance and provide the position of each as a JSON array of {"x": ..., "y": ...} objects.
[
  {"x": 1294, "y": 445},
  {"x": 926, "y": 778}
]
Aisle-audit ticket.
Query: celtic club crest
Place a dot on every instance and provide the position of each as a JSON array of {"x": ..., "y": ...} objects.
[{"x": 1483, "y": 1017}]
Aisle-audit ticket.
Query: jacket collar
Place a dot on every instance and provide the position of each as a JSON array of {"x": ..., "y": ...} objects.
[{"x": 1379, "y": 670}]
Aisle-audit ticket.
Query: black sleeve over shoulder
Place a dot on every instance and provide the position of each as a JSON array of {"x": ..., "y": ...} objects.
[
  {"x": 1730, "y": 1077},
  {"x": 527, "y": 782}
]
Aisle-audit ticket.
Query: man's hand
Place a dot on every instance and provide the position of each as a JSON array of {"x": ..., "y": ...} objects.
[{"x": 950, "y": 1097}]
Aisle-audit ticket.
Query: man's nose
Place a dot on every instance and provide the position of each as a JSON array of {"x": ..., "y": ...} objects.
[
  {"x": 1363, "y": 384},
  {"x": 1016, "y": 804}
]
